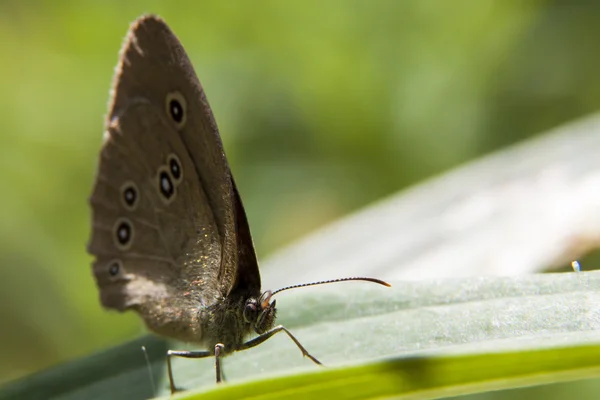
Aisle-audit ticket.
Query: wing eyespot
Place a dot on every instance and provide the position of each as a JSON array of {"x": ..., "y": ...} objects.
[
  {"x": 129, "y": 195},
  {"x": 165, "y": 186},
  {"x": 174, "y": 167},
  {"x": 123, "y": 233},
  {"x": 176, "y": 108},
  {"x": 115, "y": 269}
]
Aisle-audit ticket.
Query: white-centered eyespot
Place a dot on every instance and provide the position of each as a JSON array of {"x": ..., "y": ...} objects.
[
  {"x": 164, "y": 185},
  {"x": 130, "y": 196},
  {"x": 123, "y": 233},
  {"x": 115, "y": 269},
  {"x": 176, "y": 108},
  {"x": 174, "y": 167}
]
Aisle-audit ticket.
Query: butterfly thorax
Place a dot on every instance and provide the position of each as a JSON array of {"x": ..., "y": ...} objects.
[{"x": 232, "y": 319}]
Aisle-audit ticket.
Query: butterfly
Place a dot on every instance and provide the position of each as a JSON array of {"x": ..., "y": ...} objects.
[{"x": 170, "y": 236}]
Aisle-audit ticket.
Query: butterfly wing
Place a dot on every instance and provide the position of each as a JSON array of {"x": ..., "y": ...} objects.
[{"x": 166, "y": 216}]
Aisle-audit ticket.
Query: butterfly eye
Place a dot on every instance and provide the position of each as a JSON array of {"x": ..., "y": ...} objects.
[
  {"x": 123, "y": 232},
  {"x": 250, "y": 311},
  {"x": 176, "y": 108},
  {"x": 129, "y": 195},
  {"x": 174, "y": 166}
]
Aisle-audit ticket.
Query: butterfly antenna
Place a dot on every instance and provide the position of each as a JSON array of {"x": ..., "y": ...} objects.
[
  {"x": 149, "y": 370},
  {"x": 355, "y": 278}
]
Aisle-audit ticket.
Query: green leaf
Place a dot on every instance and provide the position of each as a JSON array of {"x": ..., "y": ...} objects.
[
  {"x": 422, "y": 377},
  {"x": 419, "y": 339}
]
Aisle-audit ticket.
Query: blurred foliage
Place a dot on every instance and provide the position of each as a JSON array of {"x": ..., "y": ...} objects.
[{"x": 323, "y": 107}]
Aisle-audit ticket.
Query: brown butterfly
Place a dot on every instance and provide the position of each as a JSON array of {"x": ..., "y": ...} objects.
[{"x": 170, "y": 236}]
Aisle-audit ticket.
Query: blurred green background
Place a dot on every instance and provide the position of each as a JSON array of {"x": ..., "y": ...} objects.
[{"x": 323, "y": 106}]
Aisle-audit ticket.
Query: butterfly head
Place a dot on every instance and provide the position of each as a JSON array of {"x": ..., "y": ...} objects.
[{"x": 260, "y": 313}]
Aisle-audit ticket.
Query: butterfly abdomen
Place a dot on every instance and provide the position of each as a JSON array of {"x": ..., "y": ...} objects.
[{"x": 176, "y": 321}]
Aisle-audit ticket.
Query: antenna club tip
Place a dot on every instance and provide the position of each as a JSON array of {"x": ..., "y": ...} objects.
[{"x": 374, "y": 280}]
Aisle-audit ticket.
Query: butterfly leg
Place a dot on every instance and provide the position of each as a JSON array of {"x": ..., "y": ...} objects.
[
  {"x": 185, "y": 354},
  {"x": 259, "y": 339},
  {"x": 218, "y": 350}
]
